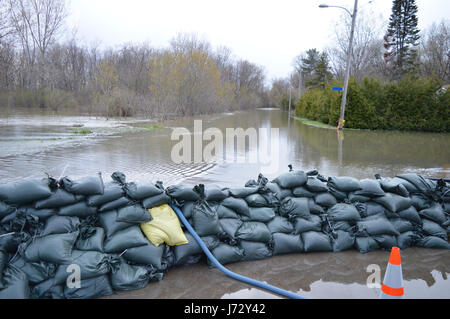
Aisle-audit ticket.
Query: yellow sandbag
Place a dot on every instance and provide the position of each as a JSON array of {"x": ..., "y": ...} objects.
[{"x": 164, "y": 227}]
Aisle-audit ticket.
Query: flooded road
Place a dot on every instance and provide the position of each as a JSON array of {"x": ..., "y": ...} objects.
[{"x": 80, "y": 146}]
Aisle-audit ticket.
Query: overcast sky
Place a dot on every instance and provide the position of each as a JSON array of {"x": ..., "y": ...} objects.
[{"x": 269, "y": 33}]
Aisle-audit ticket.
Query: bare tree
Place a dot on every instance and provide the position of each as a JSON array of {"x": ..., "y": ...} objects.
[
  {"x": 435, "y": 51},
  {"x": 367, "y": 53}
]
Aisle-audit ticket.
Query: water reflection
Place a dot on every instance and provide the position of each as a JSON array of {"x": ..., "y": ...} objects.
[{"x": 312, "y": 275}]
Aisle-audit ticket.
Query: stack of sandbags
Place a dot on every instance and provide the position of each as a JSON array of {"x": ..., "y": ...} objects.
[{"x": 50, "y": 229}]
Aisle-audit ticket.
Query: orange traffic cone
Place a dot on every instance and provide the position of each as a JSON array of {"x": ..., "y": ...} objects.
[{"x": 392, "y": 287}]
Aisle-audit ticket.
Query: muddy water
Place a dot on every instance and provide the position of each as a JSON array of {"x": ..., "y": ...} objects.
[{"x": 32, "y": 146}]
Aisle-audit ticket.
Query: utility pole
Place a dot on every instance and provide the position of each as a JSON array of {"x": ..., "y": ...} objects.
[
  {"x": 349, "y": 59},
  {"x": 347, "y": 68}
]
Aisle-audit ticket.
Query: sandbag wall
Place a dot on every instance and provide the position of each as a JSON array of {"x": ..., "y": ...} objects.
[{"x": 48, "y": 224}]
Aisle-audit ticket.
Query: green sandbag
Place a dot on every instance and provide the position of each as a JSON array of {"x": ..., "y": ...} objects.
[
  {"x": 260, "y": 214},
  {"x": 205, "y": 220},
  {"x": 314, "y": 208},
  {"x": 301, "y": 191},
  {"x": 215, "y": 193},
  {"x": 401, "y": 225},
  {"x": 431, "y": 228},
  {"x": 280, "y": 225},
  {"x": 9, "y": 241},
  {"x": 343, "y": 212},
  {"x": 366, "y": 244},
  {"x": 225, "y": 212},
  {"x": 340, "y": 196},
  {"x": 256, "y": 200},
  {"x": 80, "y": 209},
  {"x": 108, "y": 221},
  {"x": 226, "y": 254},
  {"x": 374, "y": 209},
  {"x": 325, "y": 199},
  {"x": 435, "y": 213},
  {"x": 254, "y": 231},
  {"x": 93, "y": 241},
  {"x": 254, "y": 250},
  {"x": 3, "y": 263},
  {"x": 291, "y": 179},
  {"x": 354, "y": 198},
  {"x": 42, "y": 214},
  {"x": 182, "y": 192},
  {"x": 393, "y": 202},
  {"x": 115, "y": 204},
  {"x": 275, "y": 188},
  {"x": 129, "y": 277},
  {"x": 315, "y": 185},
  {"x": 5, "y": 209},
  {"x": 60, "y": 225},
  {"x": 396, "y": 186},
  {"x": 293, "y": 207},
  {"x": 341, "y": 225},
  {"x": 230, "y": 226},
  {"x": 344, "y": 183},
  {"x": 91, "y": 264},
  {"x": 16, "y": 284},
  {"x": 424, "y": 185},
  {"x": 242, "y": 192},
  {"x": 433, "y": 242},
  {"x": 90, "y": 288},
  {"x": 238, "y": 205},
  {"x": 376, "y": 225},
  {"x": 316, "y": 241},
  {"x": 25, "y": 191},
  {"x": 182, "y": 252},
  {"x": 88, "y": 186},
  {"x": 146, "y": 255},
  {"x": 407, "y": 239},
  {"x": 287, "y": 244},
  {"x": 211, "y": 242},
  {"x": 59, "y": 198},
  {"x": 111, "y": 192},
  {"x": 420, "y": 201},
  {"x": 142, "y": 190},
  {"x": 186, "y": 209},
  {"x": 411, "y": 214},
  {"x": 386, "y": 241},
  {"x": 342, "y": 240},
  {"x": 55, "y": 249},
  {"x": 370, "y": 188},
  {"x": 134, "y": 214},
  {"x": 302, "y": 225},
  {"x": 36, "y": 272},
  {"x": 156, "y": 201},
  {"x": 124, "y": 239}
]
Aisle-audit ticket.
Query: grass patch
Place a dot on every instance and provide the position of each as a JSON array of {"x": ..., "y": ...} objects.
[
  {"x": 83, "y": 131},
  {"x": 313, "y": 123},
  {"x": 152, "y": 127}
]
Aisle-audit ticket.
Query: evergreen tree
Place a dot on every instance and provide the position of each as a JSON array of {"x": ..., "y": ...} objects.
[
  {"x": 402, "y": 37},
  {"x": 321, "y": 74}
]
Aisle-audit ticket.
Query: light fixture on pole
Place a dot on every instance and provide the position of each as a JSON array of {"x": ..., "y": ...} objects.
[{"x": 349, "y": 57}]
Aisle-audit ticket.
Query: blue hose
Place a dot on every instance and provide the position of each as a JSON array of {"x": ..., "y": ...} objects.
[{"x": 225, "y": 270}]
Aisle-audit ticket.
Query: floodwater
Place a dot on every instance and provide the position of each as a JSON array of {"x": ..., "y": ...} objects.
[{"x": 31, "y": 146}]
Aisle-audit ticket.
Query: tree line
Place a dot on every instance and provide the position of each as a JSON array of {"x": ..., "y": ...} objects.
[
  {"x": 39, "y": 70},
  {"x": 406, "y": 68}
]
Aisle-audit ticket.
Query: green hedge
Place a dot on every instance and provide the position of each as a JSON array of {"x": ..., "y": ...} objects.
[{"x": 412, "y": 104}]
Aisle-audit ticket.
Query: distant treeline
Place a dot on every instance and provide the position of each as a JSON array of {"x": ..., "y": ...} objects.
[
  {"x": 419, "y": 104},
  {"x": 186, "y": 78}
]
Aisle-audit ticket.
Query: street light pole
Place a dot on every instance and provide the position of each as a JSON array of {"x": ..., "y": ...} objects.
[{"x": 349, "y": 57}]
